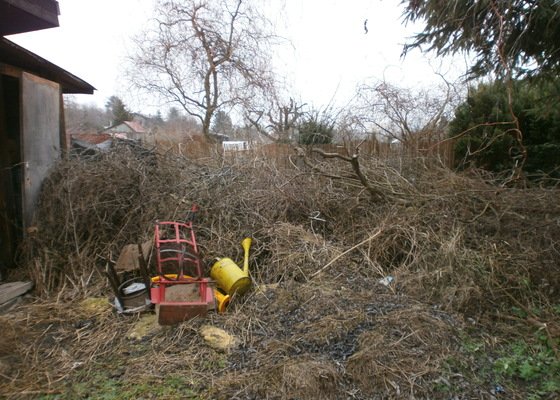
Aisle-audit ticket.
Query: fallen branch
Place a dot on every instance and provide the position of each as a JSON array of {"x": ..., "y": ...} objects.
[
  {"x": 353, "y": 160},
  {"x": 370, "y": 238}
]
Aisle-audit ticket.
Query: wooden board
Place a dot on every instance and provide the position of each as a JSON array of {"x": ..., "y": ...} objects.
[
  {"x": 40, "y": 134},
  {"x": 128, "y": 259},
  {"x": 9, "y": 291}
]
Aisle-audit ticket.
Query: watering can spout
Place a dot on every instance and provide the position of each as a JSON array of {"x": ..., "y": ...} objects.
[{"x": 246, "y": 243}]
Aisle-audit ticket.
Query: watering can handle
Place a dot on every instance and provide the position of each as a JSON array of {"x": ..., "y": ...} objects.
[{"x": 246, "y": 243}]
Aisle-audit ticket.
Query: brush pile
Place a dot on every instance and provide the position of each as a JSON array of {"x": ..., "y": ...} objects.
[{"x": 318, "y": 324}]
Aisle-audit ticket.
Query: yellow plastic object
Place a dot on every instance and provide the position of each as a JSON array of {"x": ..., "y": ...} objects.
[
  {"x": 246, "y": 244},
  {"x": 222, "y": 300},
  {"x": 156, "y": 279},
  {"x": 229, "y": 277}
]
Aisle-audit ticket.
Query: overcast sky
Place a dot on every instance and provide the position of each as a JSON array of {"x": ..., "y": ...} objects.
[{"x": 329, "y": 55}]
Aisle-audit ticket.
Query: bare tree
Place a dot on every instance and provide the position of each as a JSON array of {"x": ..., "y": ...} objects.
[
  {"x": 277, "y": 119},
  {"x": 403, "y": 114},
  {"x": 203, "y": 55},
  {"x": 352, "y": 127},
  {"x": 83, "y": 118}
]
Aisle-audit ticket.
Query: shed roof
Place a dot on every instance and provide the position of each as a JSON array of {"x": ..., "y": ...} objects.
[
  {"x": 17, "y": 16},
  {"x": 17, "y": 56}
]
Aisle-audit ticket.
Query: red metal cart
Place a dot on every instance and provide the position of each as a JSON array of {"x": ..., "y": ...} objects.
[{"x": 179, "y": 291}]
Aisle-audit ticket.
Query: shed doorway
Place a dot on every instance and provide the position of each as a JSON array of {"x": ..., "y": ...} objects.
[
  {"x": 11, "y": 170},
  {"x": 30, "y": 144}
]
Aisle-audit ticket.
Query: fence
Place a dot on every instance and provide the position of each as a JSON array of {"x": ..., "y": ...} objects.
[{"x": 285, "y": 155}]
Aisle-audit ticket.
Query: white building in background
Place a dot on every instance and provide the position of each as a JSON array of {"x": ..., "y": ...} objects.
[{"x": 235, "y": 145}]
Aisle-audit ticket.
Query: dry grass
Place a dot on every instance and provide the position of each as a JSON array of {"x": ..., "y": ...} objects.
[
  {"x": 401, "y": 356},
  {"x": 317, "y": 324}
]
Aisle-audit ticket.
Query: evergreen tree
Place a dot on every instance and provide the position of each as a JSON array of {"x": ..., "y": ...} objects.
[
  {"x": 117, "y": 111},
  {"x": 517, "y": 36},
  {"x": 482, "y": 123},
  {"x": 316, "y": 130},
  {"x": 158, "y": 119},
  {"x": 222, "y": 123},
  {"x": 173, "y": 114}
]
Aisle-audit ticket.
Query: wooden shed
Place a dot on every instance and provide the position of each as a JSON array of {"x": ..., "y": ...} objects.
[{"x": 32, "y": 133}]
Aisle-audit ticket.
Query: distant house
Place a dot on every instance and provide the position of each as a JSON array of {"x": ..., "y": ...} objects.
[
  {"x": 32, "y": 134},
  {"x": 143, "y": 120},
  {"x": 127, "y": 130}
]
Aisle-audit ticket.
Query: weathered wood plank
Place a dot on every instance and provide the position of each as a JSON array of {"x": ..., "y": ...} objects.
[
  {"x": 40, "y": 137},
  {"x": 128, "y": 259},
  {"x": 11, "y": 290}
]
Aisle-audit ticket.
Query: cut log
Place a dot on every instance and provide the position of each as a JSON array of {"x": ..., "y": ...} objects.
[{"x": 11, "y": 290}]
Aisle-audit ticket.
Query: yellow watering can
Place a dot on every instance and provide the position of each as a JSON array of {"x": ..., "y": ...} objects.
[{"x": 229, "y": 277}]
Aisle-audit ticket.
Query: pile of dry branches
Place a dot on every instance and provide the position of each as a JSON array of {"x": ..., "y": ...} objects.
[{"x": 317, "y": 321}]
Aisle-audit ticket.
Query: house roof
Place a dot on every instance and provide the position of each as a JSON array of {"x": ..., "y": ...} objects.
[
  {"x": 18, "y": 16},
  {"x": 135, "y": 126},
  {"x": 17, "y": 56},
  {"x": 125, "y": 126}
]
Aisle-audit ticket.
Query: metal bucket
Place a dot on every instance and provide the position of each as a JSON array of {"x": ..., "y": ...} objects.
[
  {"x": 229, "y": 277},
  {"x": 135, "y": 298}
]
